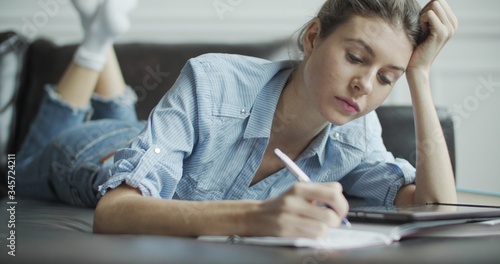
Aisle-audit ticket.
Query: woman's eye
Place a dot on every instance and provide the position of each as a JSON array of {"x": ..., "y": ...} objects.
[
  {"x": 353, "y": 58},
  {"x": 384, "y": 79}
]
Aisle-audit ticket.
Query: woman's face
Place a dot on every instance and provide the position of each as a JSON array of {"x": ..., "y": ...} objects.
[{"x": 352, "y": 71}]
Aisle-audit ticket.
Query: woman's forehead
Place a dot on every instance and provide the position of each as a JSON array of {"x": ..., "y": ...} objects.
[{"x": 379, "y": 36}]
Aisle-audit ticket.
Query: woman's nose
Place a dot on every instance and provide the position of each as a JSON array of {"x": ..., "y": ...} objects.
[{"x": 363, "y": 83}]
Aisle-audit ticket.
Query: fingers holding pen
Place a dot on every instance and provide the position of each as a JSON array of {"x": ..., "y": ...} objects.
[
  {"x": 329, "y": 194},
  {"x": 296, "y": 212},
  {"x": 317, "y": 197}
]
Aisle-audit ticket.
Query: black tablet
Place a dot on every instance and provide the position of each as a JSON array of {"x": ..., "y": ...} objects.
[{"x": 428, "y": 212}]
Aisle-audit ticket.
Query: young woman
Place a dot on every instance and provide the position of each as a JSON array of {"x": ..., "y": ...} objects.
[{"x": 207, "y": 148}]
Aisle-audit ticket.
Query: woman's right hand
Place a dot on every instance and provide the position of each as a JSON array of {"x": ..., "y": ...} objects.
[{"x": 296, "y": 213}]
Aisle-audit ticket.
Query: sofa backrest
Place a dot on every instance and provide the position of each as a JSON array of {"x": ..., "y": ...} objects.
[
  {"x": 398, "y": 132},
  {"x": 150, "y": 69}
]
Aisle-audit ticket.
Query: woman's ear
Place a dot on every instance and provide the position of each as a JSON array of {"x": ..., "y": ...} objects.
[{"x": 311, "y": 37}]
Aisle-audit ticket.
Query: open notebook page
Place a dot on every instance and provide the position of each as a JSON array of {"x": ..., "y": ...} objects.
[{"x": 335, "y": 239}]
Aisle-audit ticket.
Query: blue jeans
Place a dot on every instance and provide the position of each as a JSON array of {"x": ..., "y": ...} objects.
[{"x": 62, "y": 156}]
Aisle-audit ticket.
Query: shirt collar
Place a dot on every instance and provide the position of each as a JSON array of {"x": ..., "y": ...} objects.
[
  {"x": 318, "y": 145},
  {"x": 262, "y": 113}
]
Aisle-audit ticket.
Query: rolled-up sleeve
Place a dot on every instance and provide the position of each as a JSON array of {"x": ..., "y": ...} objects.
[
  {"x": 379, "y": 175},
  {"x": 154, "y": 161}
]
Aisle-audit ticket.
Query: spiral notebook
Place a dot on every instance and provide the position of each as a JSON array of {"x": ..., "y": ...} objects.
[{"x": 374, "y": 234}]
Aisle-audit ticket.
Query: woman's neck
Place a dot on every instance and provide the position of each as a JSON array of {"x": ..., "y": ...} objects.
[{"x": 296, "y": 120}]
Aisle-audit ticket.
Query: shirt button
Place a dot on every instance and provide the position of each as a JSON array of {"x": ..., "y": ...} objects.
[
  {"x": 157, "y": 150},
  {"x": 336, "y": 135},
  {"x": 243, "y": 112}
]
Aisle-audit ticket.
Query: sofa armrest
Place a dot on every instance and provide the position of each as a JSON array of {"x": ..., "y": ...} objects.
[{"x": 12, "y": 50}]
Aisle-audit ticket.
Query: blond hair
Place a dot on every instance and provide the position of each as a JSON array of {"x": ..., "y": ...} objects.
[{"x": 403, "y": 14}]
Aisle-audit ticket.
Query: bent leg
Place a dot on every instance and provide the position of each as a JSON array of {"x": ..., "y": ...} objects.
[
  {"x": 111, "y": 83},
  {"x": 119, "y": 108},
  {"x": 70, "y": 168},
  {"x": 113, "y": 99},
  {"x": 77, "y": 85},
  {"x": 102, "y": 23},
  {"x": 54, "y": 116}
]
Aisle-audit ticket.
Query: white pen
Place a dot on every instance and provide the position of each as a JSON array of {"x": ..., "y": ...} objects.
[{"x": 301, "y": 176}]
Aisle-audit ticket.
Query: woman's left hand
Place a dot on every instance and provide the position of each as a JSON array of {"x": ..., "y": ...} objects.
[
  {"x": 434, "y": 172},
  {"x": 439, "y": 23}
]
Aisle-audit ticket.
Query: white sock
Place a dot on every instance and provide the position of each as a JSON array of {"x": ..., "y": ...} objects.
[
  {"x": 87, "y": 10},
  {"x": 109, "y": 21}
]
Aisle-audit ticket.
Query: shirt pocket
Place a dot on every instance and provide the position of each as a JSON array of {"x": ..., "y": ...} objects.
[
  {"x": 347, "y": 151},
  {"x": 227, "y": 126},
  {"x": 198, "y": 188},
  {"x": 355, "y": 140},
  {"x": 232, "y": 111}
]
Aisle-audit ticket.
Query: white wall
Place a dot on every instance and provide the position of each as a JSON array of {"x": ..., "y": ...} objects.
[
  {"x": 466, "y": 77},
  {"x": 163, "y": 21}
]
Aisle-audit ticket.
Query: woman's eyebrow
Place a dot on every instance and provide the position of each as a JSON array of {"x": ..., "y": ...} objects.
[
  {"x": 397, "y": 68},
  {"x": 364, "y": 44},
  {"x": 372, "y": 53}
]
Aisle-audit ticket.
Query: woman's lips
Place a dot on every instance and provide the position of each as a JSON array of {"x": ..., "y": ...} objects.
[{"x": 348, "y": 104}]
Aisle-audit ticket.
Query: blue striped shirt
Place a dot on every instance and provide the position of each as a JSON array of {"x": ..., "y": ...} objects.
[{"x": 206, "y": 138}]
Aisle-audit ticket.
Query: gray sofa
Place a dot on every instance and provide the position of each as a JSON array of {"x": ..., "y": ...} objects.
[{"x": 49, "y": 232}]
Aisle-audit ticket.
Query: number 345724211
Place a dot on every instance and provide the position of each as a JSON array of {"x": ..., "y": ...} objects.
[{"x": 11, "y": 175}]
